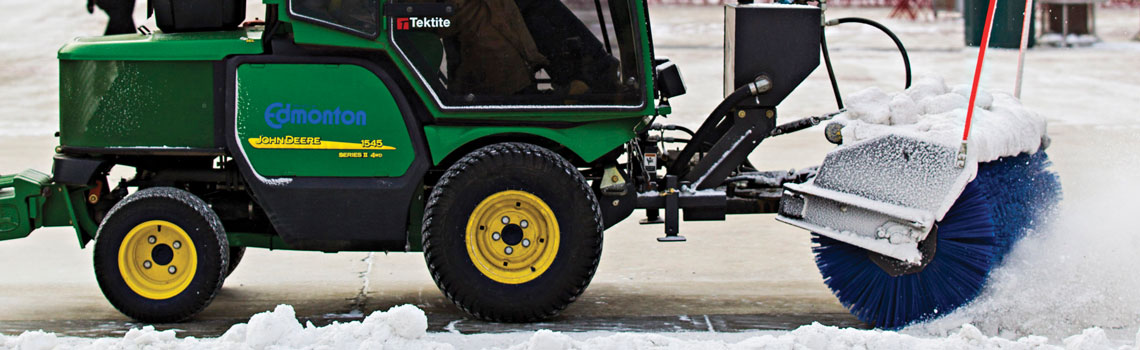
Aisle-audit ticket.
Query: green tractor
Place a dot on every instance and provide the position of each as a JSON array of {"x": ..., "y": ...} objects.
[{"x": 498, "y": 137}]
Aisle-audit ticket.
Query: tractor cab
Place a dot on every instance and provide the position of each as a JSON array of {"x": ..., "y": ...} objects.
[
  {"x": 458, "y": 55},
  {"x": 503, "y": 54}
]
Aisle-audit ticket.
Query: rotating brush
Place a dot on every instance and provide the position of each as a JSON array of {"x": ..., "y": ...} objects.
[{"x": 1009, "y": 198}]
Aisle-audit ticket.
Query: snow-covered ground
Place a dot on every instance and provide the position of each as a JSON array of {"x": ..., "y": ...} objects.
[
  {"x": 405, "y": 327},
  {"x": 1071, "y": 287}
]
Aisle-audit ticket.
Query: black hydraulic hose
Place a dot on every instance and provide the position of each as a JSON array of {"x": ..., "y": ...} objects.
[
  {"x": 683, "y": 129},
  {"x": 830, "y": 71},
  {"x": 674, "y": 127},
  {"x": 902, "y": 50}
]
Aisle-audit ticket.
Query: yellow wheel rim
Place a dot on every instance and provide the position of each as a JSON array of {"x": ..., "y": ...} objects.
[
  {"x": 512, "y": 237},
  {"x": 157, "y": 259}
]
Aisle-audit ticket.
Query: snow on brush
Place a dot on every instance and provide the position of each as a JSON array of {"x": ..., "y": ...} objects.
[
  {"x": 405, "y": 327},
  {"x": 933, "y": 111}
]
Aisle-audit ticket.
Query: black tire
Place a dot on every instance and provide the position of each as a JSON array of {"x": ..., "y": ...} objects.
[
  {"x": 236, "y": 253},
  {"x": 131, "y": 225},
  {"x": 512, "y": 167}
]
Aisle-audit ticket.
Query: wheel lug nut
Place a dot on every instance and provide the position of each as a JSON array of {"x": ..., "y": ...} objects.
[
  {"x": 171, "y": 270},
  {"x": 524, "y": 224},
  {"x": 176, "y": 244},
  {"x": 495, "y": 236},
  {"x": 151, "y": 239},
  {"x": 526, "y": 243},
  {"x": 506, "y": 220},
  {"x": 146, "y": 264},
  {"x": 509, "y": 250}
]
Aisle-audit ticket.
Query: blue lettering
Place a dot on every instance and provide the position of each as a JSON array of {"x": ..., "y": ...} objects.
[
  {"x": 298, "y": 116},
  {"x": 269, "y": 115},
  {"x": 348, "y": 118},
  {"x": 278, "y": 114},
  {"x": 283, "y": 115}
]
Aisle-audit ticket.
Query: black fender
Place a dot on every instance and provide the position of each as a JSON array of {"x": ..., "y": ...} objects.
[{"x": 76, "y": 171}]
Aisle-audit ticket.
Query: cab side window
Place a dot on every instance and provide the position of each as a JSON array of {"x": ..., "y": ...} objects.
[
  {"x": 361, "y": 17},
  {"x": 526, "y": 52}
]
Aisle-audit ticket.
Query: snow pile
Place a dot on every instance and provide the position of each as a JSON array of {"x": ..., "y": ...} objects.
[
  {"x": 401, "y": 327},
  {"x": 404, "y": 327},
  {"x": 933, "y": 111}
]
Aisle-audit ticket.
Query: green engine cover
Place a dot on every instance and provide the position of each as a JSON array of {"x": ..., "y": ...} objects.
[
  {"x": 132, "y": 104},
  {"x": 319, "y": 120}
]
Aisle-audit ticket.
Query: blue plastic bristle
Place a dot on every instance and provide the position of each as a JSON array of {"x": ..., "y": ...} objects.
[
  {"x": 1008, "y": 197},
  {"x": 1029, "y": 194}
]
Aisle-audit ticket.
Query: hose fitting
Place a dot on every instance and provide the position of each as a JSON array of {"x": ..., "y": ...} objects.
[{"x": 761, "y": 85}]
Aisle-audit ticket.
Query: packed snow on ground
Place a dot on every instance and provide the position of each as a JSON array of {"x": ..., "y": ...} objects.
[
  {"x": 405, "y": 327},
  {"x": 930, "y": 110}
]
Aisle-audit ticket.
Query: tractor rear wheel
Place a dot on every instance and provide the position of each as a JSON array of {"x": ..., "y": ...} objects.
[
  {"x": 512, "y": 233},
  {"x": 161, "y": 255}
]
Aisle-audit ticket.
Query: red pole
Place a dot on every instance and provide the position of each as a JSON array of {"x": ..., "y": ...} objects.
[{"x": 978, "y": 68}]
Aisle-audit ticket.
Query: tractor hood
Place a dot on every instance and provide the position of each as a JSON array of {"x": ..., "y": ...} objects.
[{"x": 158, "y": 46}]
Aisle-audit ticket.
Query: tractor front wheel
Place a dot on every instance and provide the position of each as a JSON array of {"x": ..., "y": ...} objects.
[
  {"x": 512, "y": 233},
  {"x": 161, "y": 255}
]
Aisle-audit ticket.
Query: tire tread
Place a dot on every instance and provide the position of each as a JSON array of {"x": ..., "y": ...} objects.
[
  {"x": 203, "y": 212},
  {"x": 445, "y": 185}
]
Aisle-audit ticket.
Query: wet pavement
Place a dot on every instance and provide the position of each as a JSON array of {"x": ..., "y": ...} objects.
[{"x": 449, "y": 323}]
